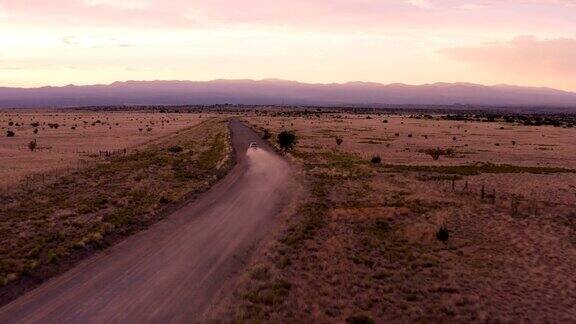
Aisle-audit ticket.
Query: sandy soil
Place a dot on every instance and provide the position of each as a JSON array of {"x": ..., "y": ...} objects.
[{"x": 64, "y": 147}]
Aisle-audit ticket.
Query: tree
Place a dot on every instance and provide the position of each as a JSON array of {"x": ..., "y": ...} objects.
[
  {"x": 287, "y": 140},
  {"x": 443, "y": 234},
  {"x": 10, "y": 133},
  {"x": 32, "y": 145}
]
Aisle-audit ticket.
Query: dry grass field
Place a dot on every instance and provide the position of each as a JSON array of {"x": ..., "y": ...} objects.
[
  {"x": 50, "y": 223},
  {"x": 484, "y": 233},
  {"x": 407, "y": 142},
  {"x": 66, "y": 140},
  {"x": 400, "y": 140},
  {"x": 406, "y": 219}
]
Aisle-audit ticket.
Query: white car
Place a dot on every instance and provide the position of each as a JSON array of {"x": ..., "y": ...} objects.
[{"x": 253, "y": 145}]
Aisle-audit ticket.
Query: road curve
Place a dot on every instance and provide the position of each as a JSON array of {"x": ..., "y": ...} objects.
[{"x": 171, "y": 271}]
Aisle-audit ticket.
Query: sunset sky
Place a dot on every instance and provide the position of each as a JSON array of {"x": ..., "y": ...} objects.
[{"x": 59, "y": 42}]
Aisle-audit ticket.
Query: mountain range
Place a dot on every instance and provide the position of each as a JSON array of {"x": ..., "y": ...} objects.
[{"x": 280, "y": 92}]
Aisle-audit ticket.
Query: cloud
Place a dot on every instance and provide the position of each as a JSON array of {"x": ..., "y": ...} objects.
[
  {"x": 472, "y": 6},
  {"x": 358, "y": 14},
  {"x": 569, "y": 3},
  {"x": 97, "y": 41},
  {"x": 3, "y": 13},
  {"x": 421, "y": 3},
  {"x": 120, "y": 4},
  {"x": 524, "y": 54}
]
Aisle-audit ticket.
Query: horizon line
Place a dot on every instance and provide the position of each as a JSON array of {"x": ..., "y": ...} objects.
[{"x": 299, "y": 82}]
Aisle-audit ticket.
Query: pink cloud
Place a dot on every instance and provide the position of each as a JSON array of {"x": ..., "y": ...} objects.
[
  {"x": 526, "y": 55},
  {"x": 70, "y": 13},
  {"x": 359, "y": 14}
]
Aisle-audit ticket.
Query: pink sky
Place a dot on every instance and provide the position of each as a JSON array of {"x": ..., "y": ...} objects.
[{"x": 57, "y": 42}]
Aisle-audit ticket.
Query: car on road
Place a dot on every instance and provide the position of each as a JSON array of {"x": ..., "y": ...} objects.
[{"x": 253, "y": 145}]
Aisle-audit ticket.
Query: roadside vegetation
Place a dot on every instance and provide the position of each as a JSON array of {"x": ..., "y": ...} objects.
[{"x": 46, "y": 227}]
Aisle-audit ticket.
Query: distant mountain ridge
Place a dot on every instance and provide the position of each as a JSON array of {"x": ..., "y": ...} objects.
[{"x": 281, "y": 92}]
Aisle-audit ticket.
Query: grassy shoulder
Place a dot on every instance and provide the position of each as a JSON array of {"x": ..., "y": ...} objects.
[{"x": 46, "y": 227}]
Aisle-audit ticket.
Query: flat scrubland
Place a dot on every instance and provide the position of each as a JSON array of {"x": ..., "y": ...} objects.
[
  {"x": 68, "y": 139},
  {"x": 48, "y": 224},
  {"x": 457, "y": 221}
]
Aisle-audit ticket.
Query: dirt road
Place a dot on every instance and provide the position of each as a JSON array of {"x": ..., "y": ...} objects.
[{"x": 170, "y": 272}]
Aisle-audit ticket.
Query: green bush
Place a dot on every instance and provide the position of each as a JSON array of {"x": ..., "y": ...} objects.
[{"x": 287, "y": 140}]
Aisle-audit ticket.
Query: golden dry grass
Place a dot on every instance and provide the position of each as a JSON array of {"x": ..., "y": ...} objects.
[
  {"x": 475, "y": 141},
  {"x": 47, "y": 225},
  {"x": 80, "y": 137}
]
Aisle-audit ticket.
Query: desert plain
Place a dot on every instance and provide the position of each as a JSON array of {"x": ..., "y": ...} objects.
[
  {"x": 482, "y": 231},
  {"x": 66, "y": 139},
  {"x": 401, "y": 217}
]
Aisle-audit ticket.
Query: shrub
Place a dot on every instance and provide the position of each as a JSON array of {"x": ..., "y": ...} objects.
[
  {"x": 32, "y": 145},
  {"x": 376, "y": 159},
  {"x": 287, "y": 140},
  {"x": 35, "y": 131},
  {"x": 339, "y": 141},
  {"x": 175, "y": 149},
  {"x": 443, "y": 234},
  {"x": 437, "y": 152},
  {"x": 10, "y": 133},
  {"x": 360, "y": 319},
  {"x": 35, "y": 124}
]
